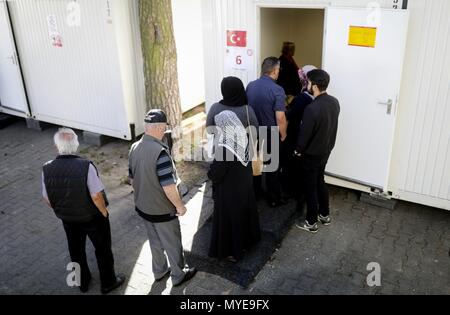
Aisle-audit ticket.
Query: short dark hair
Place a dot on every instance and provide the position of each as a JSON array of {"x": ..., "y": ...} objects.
[
  {"x": 320, "y": 78},
  {"x": 269, "y": 64}
]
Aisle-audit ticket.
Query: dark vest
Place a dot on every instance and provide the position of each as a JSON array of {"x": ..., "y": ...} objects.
[{"x": 65, "y": 179}]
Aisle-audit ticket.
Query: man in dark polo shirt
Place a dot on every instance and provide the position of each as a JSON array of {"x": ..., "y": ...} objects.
[
  {"x": 72, "y": 188},
  {"x": 316, "y": 140},
  {"x": 157, "y": 199},
  {"x": 268, "y": 99}
]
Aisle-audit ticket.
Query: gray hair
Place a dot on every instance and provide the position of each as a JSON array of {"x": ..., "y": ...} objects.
[
  {"x": 152, "y": 126},
  {"x": 66, "y": 140},
  {"x": 269, "y": 64}
]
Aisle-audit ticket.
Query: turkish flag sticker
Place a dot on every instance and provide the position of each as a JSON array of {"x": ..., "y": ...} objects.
[{"x": 237, "y": 38}]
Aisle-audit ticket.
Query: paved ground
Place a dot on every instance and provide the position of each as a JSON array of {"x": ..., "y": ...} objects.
[{"x": 410, "y": 244}]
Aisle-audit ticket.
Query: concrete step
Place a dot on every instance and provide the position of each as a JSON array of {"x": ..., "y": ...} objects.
[
  {"x": 193, "y": 119},
  {"x": 199, "y": 126},
  {"x": 378, "y": 201},
  {"x": 193, "y": 124}
]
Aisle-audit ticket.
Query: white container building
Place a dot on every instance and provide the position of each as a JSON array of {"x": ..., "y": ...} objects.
[
  {"x": 389, "y": 63},
  {"x": 79, "y": 63}
]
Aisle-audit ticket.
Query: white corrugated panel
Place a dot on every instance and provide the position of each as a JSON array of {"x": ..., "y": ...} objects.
[
  {"x": 220, "y": 16},
  {"x": 187, "y": 25},
  {"x": 79, "y": 84},
  {"x": 421, "y": 156}
]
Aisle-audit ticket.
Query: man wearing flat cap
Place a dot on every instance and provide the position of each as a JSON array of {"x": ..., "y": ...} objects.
[{"x": 157, "y": 199}]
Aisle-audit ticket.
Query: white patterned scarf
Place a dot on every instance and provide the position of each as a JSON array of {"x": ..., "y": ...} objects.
[{"x": 232, "y": 135}]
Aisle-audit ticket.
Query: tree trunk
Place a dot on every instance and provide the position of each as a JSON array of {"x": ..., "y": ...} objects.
[{"x": 160, "y": 58}]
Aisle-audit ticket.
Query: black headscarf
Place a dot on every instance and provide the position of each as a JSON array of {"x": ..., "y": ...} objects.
[{"x": 233, "y": 92}]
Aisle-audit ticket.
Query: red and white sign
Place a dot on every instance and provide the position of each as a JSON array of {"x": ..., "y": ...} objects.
[{"x": 237, "y": 38}]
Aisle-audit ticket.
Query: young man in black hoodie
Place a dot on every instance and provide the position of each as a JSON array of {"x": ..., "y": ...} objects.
[{"x": 316, "y": 140}]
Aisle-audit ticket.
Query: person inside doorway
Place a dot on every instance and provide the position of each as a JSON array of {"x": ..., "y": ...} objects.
[
  {"x": 267, "y": 99},
  {"x": 294, "y": 114},
  {"x": 289, "y": 78}
]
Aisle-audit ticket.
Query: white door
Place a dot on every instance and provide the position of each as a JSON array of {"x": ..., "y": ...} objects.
[
  {"x": 12, "y": 92},
  {"x": 363, "y": 52}
]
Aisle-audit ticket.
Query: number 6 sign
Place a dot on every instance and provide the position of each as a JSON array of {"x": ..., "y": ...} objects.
[
  {"x": 237, "y": 58},
  {"x": 237, "y": 55}
]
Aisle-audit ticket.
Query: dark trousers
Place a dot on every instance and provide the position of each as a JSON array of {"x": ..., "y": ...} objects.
[
  {"x": 99, "y": 232},
  {"x": 289, "y": 175},
  {"x": 273, "y": 179},
  {"x": 312, "y": 171},
  {"x": 273, "y": 186}
]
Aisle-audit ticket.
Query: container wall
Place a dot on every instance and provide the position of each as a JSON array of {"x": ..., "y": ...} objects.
[
  {"x": 188, "y": 31},
  {"x": 71, "y": 64},
  {"x": 421, "y": 157},
  {"x": 420, "y": 166}
]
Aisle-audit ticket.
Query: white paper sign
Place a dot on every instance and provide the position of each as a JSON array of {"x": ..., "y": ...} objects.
[
  {"x": 238, "y": 58},
  {"x": 55, "y": 36}
]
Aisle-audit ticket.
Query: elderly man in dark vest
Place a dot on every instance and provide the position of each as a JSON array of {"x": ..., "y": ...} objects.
[
  {"x": 72, "y": 188},
  {"x": 157, "y": 199}
]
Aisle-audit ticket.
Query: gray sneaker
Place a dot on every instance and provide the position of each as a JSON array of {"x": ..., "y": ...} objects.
[
  {"x": 304, "y": 225},
  {"x": 325, "y": 220}
]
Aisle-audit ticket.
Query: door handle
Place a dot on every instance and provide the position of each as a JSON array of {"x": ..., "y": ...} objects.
[{"x": 389, "y": 104}]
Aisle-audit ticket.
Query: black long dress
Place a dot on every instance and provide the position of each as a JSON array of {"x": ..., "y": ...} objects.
[{"x": 235, "y": 219}]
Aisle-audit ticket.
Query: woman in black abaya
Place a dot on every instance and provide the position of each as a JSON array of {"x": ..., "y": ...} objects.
[{"x": 235, "y": 219}]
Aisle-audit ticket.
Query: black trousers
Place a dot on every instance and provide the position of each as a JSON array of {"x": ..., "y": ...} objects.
[
  {"x": 289, "y": 175},
  {"x": 99, "y": 232},
  {"x": 273, "y": 179},
  {"x": 312, "y": 171}
]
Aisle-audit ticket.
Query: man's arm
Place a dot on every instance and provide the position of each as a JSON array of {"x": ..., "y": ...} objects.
[
  {"x": 282, "y": 124},
  {"x": 306, "y": 131},
  {"x": 99, "y": 202},
  {"x": 279, "y": 108},
  {"x": 167, "y": 180},
  {"x": 173, "y": 195},
  {"x": 44, "y": 192},
  {"x": 96, "y": 187}
]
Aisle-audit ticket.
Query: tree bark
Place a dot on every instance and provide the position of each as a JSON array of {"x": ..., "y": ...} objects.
[{"x": 160, "y": 58}]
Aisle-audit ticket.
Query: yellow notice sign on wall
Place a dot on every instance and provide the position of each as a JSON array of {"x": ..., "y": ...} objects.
[{"x": 362, "y": 36}]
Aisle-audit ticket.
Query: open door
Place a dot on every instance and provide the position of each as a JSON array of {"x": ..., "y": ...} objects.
[
  {"x": 363, "y": 52},
  {"x": 12, "y": 93}
]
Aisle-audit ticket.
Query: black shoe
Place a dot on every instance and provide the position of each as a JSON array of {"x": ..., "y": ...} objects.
[
  {"x": 85, "y": 287},
  {"x": 304, "y": 225},
  {"x": 163, "y": 276},
  {"x": 325, "y": 220},
  {"x": 120, "y": 279},
  {"x": 190, "y": 273},
  {"x": 231, "y": 259}
]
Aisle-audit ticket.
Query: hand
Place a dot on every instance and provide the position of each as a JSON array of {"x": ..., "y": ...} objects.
[{"x": 181, "y": 211}]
